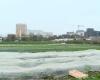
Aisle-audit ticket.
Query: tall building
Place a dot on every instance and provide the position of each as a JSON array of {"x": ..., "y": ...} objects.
[
  {"x": 21, "y": 30},
  {"x": 90, "y": 32}
]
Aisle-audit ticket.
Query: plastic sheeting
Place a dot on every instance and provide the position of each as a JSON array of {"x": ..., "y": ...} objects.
[{"x": 38, "y": 64}]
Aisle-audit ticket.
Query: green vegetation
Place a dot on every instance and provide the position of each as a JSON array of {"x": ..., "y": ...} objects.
[
  {"x": 43, "y": 47},
  {"x": 92, "y": 76}
]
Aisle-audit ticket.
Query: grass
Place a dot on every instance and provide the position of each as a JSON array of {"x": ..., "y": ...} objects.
[{"x": 46, "y": 47}]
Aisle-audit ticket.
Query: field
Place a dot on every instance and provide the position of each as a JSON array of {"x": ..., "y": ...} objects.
[
  {"x": 46, "y": 47},
  {"x": 52, "y": 47}
]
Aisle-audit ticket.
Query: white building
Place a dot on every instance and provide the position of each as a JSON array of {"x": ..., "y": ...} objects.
[
  {"x": 80, "y": 32},
  {"x": 70, "y": 33},
  {"x": 39, "y": 32},
  {"x": 65, "y": 39}
]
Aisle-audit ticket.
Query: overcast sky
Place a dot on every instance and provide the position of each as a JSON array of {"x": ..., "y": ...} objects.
[{"x": 57, "y": 16}]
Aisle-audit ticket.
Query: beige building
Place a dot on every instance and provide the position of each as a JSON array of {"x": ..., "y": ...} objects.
[{"x": 21, "y": 30}]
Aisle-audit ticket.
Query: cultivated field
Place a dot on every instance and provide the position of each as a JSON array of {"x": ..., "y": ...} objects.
[
  {"x": 46, "y": 47},
  {"x": 36, "y": 47}
]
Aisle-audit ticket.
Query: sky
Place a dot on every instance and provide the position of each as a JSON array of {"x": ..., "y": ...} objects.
[{"x": 57, "y": 16}]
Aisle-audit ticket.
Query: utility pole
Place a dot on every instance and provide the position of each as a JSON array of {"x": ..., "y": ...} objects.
[
  {"x": 78, "y": 27},
  {"x": 20, "y": 35}
]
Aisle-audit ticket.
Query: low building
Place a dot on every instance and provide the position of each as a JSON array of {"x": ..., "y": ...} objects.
[
  {"x": 11, "y": 37},
  {"x": 1, "y": 39},
  {"x": 70, "y": 33},
  {"x": 96, "y": 39},
  {"x": 65, "y": 39}
]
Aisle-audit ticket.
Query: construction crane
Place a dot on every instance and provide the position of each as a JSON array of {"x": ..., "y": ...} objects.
[{"x": 79, "y": 26}]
